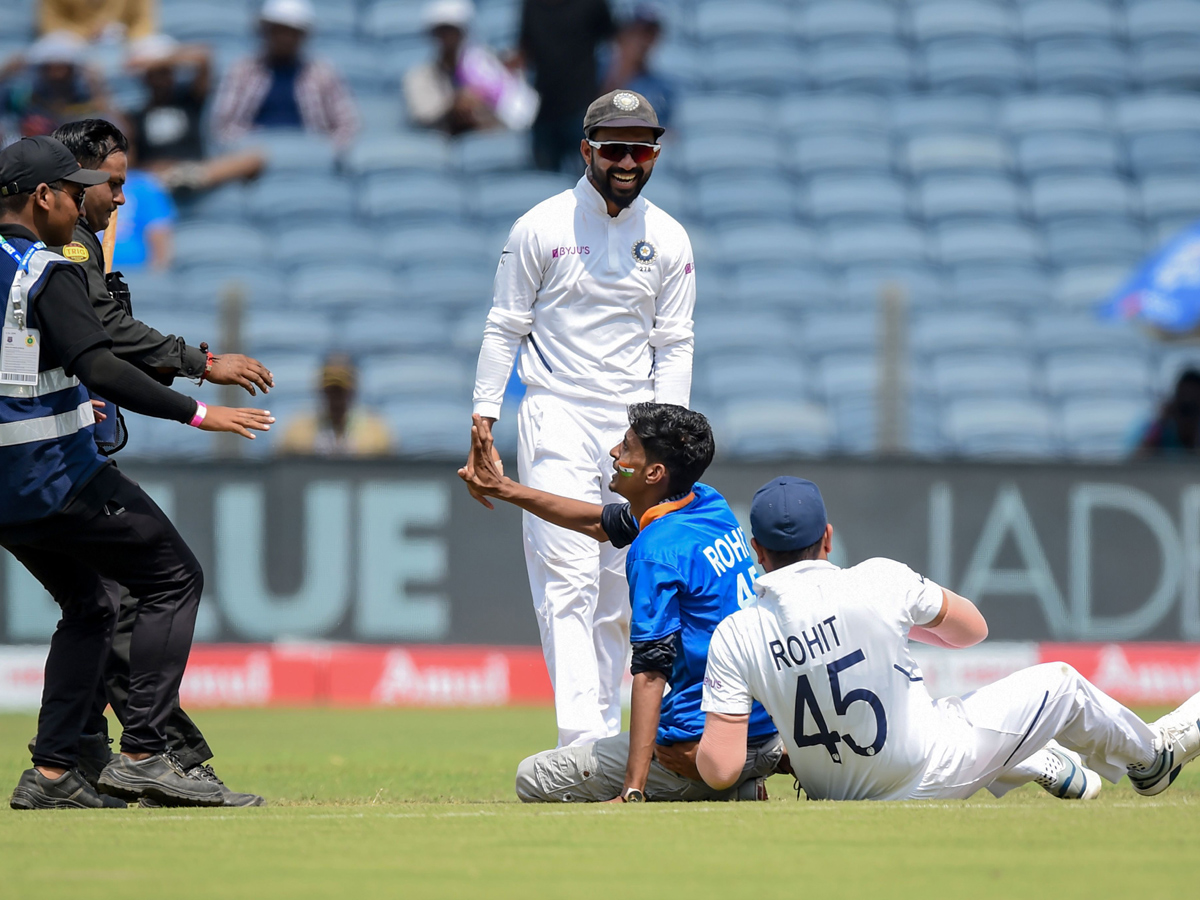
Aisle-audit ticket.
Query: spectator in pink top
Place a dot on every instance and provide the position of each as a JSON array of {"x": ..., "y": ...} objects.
[{"x": 280, "y": 88}]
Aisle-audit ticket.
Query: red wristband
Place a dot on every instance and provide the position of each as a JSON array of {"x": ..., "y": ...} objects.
[
  {"x": 207, "y": 365},
  {"x": 201, "y": 412}
]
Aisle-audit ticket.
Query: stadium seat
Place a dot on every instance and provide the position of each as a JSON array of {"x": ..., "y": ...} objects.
[
  {"x": 918, "y": 113},
  {"x": 448, "y": 286},
  {"x": 1167, "y": 63},
  {"x": 1158, "y": 153},
  {"x": 963, "y": 19},
  {"x": 1060, "y": 196},
  {"x": 982, "y": 374},
  {"x": 1167, "y": 195},
  {"x": 281, "y": 200},
  {"x": 749, "y": 21},
  {"x": 1084, "y": 285},
  {"x": 669, "y": 194},
  {"x": 943, "y": 198},
  {"x": 1049, "y": 19},
  {"x": 1085, "y": 240},
  {"x": 385, "y": 378},
  {"x": 267, "y": 331},
  {"x": 752, "y": 332},
  {"x": 1102, "y": 429},
  {"x": 400, "y": 199},
  {"x": 502, "y": 199},
  {"x": 1031, "y": 113},
  {"x": 449, "y": 244},
  {"x": 359, "y": 63},
  {"x": 1151, "y": 113},
  {"x": 764, "y": 245},
  {"x": 844, "y": 377},
  {"x": 301, "y": 243},
  {"x": 807, "y": 114},
  {"x": 723, "y": 110},
  {"x": 1013, "y": 286},
  {"x": 382, "y": 332},
  {"x": 823, "y": 20},
  {"x": 832, "y": 151},
  {"x": 864, "y": 283},
  {"x": 381, "y": 113},
  {"x": 327, "y": 285},
  {"x": 939, "y": 332},
  {"x": 830, "y": 332},
  {"x": 975, "y": 65},
  {"x": 153, "y": 290},
  {"x": 679, "y": 62},
  {"x": 773, "y": 429},
  {"x": 296, "y": 377},
  {"x": 766, "y": 68},
  {"x": 206, "y": 21},
  {"x": 785, "y": 287},
  {"x": 1001, "y": 428},
  {"x": 1067, "y": 152},
  {"x": 1059, "y": 332},
  {"x": 723, "y": 199},
  {"x": 931, "y": 153},
  {"x": 1163, "y": 19},
  {"x": 391, "y": 19},
  {"x": 874, "y": 243},
  {"x": 712, "y": 150},
  {"x": 882, "y": 67},
  {"x": 205, "y": 287},
  {"x": 838, "y": 198},
  {"x": 227, "y": 203},
  {"x": 429, "y": 428},
  {"x": 218, "y": 244},
  {"x": 422, "y": 151},
  {"x": 1074, "y": 374},
  {"x": 492, "y": 151},
  {"x": 1081, "y": 65},
  {"x": 744, "y": 376},
  {"x": 995, "y": 242}
]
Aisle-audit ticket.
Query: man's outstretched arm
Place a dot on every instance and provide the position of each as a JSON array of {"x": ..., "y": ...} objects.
[
  {"x": 959, "y": 624},
  {"x": 483, "y": 477}
]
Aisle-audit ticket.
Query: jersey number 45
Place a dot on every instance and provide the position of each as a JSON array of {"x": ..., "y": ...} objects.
[{"x": 806, "y": 701}]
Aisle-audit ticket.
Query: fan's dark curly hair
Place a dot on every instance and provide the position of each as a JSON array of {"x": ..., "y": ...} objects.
[{"x": 678, "y": 438}]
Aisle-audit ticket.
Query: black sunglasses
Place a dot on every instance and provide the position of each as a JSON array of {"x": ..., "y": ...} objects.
[
  {"x": 615, "y": 151},
  {"x": 78, "y": 198}
]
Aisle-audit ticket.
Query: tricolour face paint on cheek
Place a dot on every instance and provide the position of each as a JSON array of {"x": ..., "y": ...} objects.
[{"x": 625, "y": 471}]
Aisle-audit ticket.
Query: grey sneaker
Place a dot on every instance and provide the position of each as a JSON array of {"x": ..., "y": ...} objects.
[
  {"x": 1066, "y": 777},
  {"x": 94, "y": 755},
  {"x": 1180, "y": 737},
  {"x": 158, "y": 777},
  {"x": 206, "y": 773},
  {"x": 71, "y": 791}
]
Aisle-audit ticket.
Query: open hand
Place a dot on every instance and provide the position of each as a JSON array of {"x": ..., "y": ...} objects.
[
  {"x": 679, "y": 758},
  {"x": 237, "y": 421},
  {"x": 234, "y": 368}
]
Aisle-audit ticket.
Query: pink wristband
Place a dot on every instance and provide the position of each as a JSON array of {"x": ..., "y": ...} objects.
[{"x": 201, "y": 412}]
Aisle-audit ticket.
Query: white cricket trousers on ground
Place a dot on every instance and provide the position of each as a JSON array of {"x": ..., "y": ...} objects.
[
  {"x": 984, "y": 738},
  {"x": 578, "y": 585}
]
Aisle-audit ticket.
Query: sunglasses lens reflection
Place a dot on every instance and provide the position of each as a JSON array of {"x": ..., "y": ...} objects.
[{"x": 616, "y": 152}]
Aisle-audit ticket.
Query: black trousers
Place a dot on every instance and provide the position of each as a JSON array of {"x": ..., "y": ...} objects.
[
  {"x": 132, "y": 542},
  {"x": 556, "y": 143},
  {"x": 184, "y": 739}
]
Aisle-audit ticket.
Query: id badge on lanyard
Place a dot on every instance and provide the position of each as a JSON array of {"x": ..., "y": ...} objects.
[{"x": 20, "y": 347}]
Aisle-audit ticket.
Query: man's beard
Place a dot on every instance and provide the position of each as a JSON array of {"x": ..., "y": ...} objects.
[{"x": 606, "y": 188}]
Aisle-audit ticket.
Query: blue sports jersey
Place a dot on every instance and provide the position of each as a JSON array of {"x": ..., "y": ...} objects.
[{"x": 688, "y": 570}]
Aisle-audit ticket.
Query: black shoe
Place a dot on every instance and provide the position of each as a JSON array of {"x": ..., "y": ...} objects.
[
  {"x": 71, "y": 791},
  {"x": 206, "y": 773},
  {"x": 158, "y": 777},
  {"x": 94, "y": 755}
]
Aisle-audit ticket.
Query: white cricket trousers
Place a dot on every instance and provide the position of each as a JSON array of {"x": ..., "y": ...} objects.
[
  {"x": 983, "y": 739},
  {"x": 578, "y": 585}
]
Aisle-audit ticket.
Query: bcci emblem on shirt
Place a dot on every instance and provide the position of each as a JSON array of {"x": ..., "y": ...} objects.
[{"x": 644, "y": 254}]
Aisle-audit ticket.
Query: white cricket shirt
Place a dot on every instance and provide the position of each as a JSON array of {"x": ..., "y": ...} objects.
[
  {"x": 599, "y": 307},
  {"x": 825, "y": 651}
]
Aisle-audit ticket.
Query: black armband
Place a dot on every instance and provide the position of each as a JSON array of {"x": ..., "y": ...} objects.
[
  {"x": 618, "y": 523},
  {"x": 655, "y": 656}
]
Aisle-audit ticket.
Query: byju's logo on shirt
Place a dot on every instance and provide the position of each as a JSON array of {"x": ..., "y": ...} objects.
[{"x": 570, "y": 251}]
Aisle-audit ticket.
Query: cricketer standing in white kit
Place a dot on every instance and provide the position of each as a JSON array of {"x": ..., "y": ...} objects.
[{"x": 594, "y": 296}]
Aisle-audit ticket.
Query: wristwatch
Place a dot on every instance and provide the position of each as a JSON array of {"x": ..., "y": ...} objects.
[{"x": 633, "y": 795}]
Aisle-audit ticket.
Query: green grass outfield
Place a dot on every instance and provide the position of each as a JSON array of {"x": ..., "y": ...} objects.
[{"x": 414, "y": 804}]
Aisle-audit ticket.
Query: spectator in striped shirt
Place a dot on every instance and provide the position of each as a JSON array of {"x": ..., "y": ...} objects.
[{"x": 281, "y": 88}]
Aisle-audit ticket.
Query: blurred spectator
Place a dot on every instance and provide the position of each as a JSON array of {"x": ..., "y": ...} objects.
[
  {"x": 340, "y": 428},
  {"x": 281, "y": 88},
  {"x": 1176, "y": 430},
  {"x": 166, "y": 132},
  {"x": 146, "y": 224},
  {"x": 50, "y": 85},
  {"x": 630, "y": 66},
  {"x": 558, "y": 39},
  {"x": 100, "y": 19},
  {"x": 466, "y": 88}
]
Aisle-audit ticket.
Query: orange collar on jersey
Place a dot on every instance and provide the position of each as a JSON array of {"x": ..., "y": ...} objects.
[{"x": 664, "y": 508}]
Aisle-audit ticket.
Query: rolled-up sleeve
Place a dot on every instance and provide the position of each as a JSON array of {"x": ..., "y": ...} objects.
[
  {"x": 672, "y": 335},
  {"x": 518, "y": 280}
]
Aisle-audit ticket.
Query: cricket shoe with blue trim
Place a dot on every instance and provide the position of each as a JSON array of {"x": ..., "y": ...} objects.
[
  {"x": 1180, "y": 736},
  {"x": 1066, "y": 777}
]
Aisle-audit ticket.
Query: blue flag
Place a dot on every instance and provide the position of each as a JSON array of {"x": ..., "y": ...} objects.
[{"x": 1165, "y": 290}]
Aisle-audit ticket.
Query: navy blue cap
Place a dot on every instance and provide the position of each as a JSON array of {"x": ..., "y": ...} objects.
[{"x": 788, "y": 513}]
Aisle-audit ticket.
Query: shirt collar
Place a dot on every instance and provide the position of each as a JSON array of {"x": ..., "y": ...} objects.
[
  {"x": 809, "y": 565},
  {"x": 591, "y": 198},
  {"x": 12, "y": 229},
  {"x": 670, "y": 505}
]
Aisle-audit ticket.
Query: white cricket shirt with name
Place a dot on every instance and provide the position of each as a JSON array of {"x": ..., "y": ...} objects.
[
  {"x": 599, "y": 307},
  {"x": 825, "y": 651}
]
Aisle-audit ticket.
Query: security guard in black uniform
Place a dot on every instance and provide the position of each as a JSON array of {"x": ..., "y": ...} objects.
[
  {"x": 70, "y": 517},
  {"x": 98, "y": 144}
]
